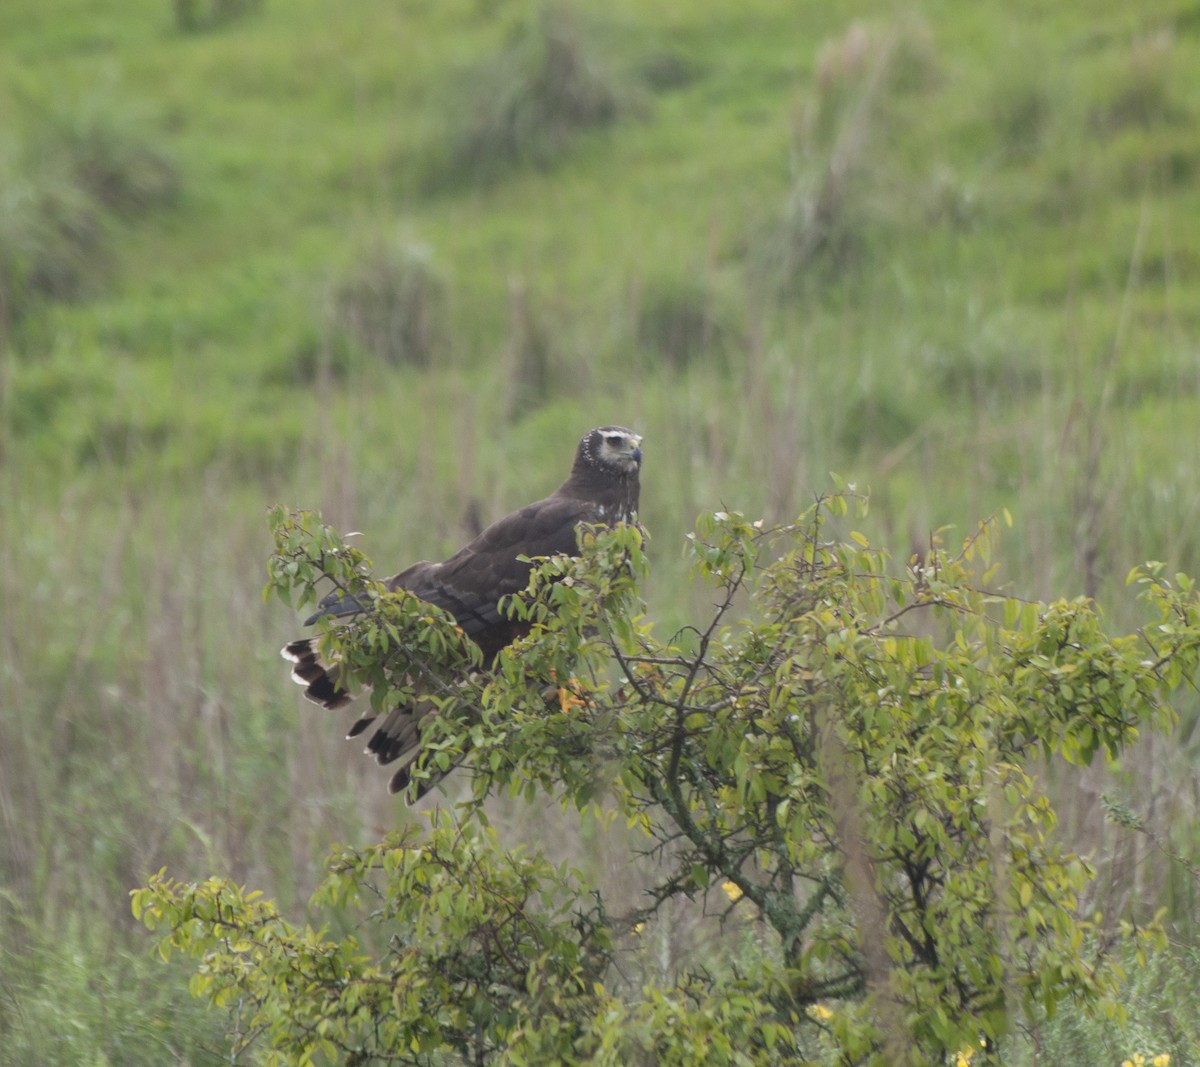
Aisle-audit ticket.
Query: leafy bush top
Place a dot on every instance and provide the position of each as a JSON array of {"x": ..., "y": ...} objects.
[{"x": 848, "y": 765}]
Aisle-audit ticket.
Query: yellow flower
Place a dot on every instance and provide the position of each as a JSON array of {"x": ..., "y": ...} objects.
[
  {"x": 568, "y": 701},
  {"x": 820, "y": 1012},
  {"x": 732, "y": 891},
  {"x": 639, "y": 928},
  {"x": 1163, "y": 1059},
  {"x": 962, "y": 1058}
]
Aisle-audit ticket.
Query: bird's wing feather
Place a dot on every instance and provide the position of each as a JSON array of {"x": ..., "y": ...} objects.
[
  {"x": 471, "y": 582},
  {"x": 337, "y": 605}
]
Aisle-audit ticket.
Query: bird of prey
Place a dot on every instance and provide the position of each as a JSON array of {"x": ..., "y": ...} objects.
[{"x": 602, "y": 490}]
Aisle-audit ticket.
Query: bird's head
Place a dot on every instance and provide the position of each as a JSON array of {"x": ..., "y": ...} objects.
[{"x": 610, "y": 448}]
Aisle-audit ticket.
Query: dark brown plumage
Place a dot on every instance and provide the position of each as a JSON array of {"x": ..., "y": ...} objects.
[{"x": 602, "y": 489}]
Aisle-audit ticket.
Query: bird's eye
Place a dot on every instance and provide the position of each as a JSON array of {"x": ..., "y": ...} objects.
[{"x": 613, "y": 439}]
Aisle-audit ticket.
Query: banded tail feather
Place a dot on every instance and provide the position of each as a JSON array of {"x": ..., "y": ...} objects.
[{"x": 320, "y": 682}]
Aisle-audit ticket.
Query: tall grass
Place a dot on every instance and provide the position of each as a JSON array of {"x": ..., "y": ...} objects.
[
  {"x": 68, "y": 175},
  {"x": 154, "y": 723},
  {"x": 392, "y": 303},
  {"x": 529, "y": 104},
  {"x": 962, "y": 332},
  {"x": 85, "y": 995}
]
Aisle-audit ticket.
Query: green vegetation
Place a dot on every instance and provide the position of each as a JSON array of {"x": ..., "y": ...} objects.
[
  {"x": 948, "y": 251},
  {"x": 846, "y": 767}
]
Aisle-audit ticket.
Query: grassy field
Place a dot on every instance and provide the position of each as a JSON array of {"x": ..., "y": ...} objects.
[{"x": 391, "y": 260}]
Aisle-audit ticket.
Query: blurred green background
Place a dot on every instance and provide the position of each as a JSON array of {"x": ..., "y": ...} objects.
[{"x": 390, "y": 259}]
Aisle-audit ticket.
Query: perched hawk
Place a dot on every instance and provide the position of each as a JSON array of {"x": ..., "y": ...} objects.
[{"x": 602, "y": 490}]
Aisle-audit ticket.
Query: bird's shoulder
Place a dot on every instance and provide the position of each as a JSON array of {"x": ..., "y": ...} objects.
[{"x": 542, "y": 528}]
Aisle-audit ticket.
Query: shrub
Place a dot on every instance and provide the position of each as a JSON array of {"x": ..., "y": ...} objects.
[
  {"x": 847, "y": 768},
  {"x": 194, "y": 15},
  {"x": 529, "y": 105},
  {"x": 113, "y": 158},
  {"x": 679, "y": 319},
  {"x": 837, "y": 148},
  {"x": 1021, "y": 115},
  {"x": 53, "y": 240},
  {"x": 669, "y": 69},
  {"x": 1140, "y": 93},
  {"x": 531, "y": 354},
  {"x": 392, "y": 303},
  {"x": 61, "y": 190},
  {"x": 822, "y": 217}
]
